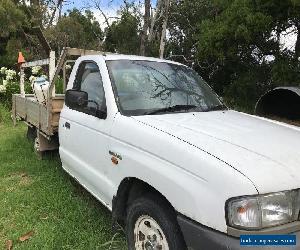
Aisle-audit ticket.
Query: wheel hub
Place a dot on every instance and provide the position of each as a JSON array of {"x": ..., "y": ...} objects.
[
  {"x": 149, "y": 246},
  {"x": 149, "y": 235}
]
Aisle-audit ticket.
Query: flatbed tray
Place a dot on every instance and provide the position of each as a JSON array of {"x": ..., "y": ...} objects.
[{"x": 45, "y": 117}]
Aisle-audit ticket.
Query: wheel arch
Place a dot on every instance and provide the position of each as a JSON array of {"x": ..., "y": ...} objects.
[{"x": 131, "y": 188}]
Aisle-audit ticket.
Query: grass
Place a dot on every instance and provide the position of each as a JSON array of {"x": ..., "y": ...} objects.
[{"x": 37, "y": 195}]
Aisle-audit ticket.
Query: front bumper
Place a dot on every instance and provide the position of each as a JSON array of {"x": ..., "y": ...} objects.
[{"x": 199, "y": 237}]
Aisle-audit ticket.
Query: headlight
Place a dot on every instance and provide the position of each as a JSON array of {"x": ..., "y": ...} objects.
[{"x": 261, "y": 211}]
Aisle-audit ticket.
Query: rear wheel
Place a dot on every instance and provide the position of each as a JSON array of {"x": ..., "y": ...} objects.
[
  {"x": 31, "y": 133},
  {"x": 151, "y": 224}
]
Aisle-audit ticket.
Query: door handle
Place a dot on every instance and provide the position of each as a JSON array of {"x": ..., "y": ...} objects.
[{"x": 67, "y": 125}]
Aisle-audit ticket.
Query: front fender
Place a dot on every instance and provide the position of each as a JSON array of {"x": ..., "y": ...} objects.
[{"x": 195, "y": 183}]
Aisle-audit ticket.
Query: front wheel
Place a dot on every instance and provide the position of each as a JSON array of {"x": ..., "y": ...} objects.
[{"x": 151, "y": 224}]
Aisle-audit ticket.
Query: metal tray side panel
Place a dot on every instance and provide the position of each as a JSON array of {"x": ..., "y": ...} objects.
[
  {"x": 20, "y": 106},
  {"x": 44, "y": 118},
  {"x": 57, "y": 104},
  {"x": 33, "y": 112}
]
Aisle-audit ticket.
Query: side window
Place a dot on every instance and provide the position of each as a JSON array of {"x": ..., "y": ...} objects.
[{"x": 89, "y": 80}]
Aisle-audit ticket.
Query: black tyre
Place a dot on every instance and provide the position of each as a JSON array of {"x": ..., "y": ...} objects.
[
  {"x": 31, "y": 133},
  {"x": 151, "y": 224}
]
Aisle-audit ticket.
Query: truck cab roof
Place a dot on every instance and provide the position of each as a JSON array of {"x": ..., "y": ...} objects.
[{"x": 112, "y": 56}]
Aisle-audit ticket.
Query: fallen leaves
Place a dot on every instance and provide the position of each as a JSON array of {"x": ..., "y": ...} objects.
[
  {"x": 9, "y": 244},
  {"x": 26, "y": 236},
  {"x": 24, "y": 174},
  {"x": 25, "y": 181},
  {"x": 44, "y": 217}
]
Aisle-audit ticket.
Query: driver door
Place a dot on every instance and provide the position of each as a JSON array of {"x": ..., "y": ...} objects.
[{"x": 84, "y": 138}]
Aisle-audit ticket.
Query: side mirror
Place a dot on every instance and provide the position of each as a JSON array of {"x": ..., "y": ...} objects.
[{"x": 76, "y": 99}]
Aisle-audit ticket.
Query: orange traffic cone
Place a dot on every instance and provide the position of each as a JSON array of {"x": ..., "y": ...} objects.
[{"x": 21, "y": 58}]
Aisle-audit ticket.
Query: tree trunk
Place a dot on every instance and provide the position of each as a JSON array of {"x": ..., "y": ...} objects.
[
  {"x": 297, "y": 46},
  {"x": 145, "y": 27},
  {"x": 58, "y": 6},
  {"x": 154, "y": 19},
  {"x": 164, "y": 30}
]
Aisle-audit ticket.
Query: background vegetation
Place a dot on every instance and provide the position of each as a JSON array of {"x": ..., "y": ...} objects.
[{"x": 236, "y": 45}]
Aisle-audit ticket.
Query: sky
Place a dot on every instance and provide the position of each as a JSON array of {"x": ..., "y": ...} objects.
[
  {"x": 79, "y": 4},
  {"x": 288, "y": 39},
  {"x": 109, "y": 7}
]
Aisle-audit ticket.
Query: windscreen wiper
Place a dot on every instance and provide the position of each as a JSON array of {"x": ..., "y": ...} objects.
[
  {"x": 216, "y": 107},
  {"x": 171, "y": 109}
]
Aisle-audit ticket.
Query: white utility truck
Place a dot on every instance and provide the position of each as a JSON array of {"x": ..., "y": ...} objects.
[{"x": 152, "y": 141}]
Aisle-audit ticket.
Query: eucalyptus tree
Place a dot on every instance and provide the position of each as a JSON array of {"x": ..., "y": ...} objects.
[{"x": 76, "y": 29}]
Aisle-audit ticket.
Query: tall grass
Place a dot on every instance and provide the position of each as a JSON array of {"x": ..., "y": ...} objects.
[{"x": 38, "y": 196}]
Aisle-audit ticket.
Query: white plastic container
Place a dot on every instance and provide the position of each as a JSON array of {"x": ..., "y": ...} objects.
[{"x": 40, "y": 88}]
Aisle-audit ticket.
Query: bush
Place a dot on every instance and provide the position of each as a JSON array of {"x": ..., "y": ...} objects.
[
  {"x": 59, "y": 86},
  {"x": 12, "y": 88}
]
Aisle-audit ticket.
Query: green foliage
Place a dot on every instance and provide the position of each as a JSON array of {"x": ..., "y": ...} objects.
[
  {"x": 184, "y": 25},
  {"x": 76, "y": 29},
  {"x": 59, "y": 86},
  {"x": 230, "y": 43},
  {"x": 122, "y": 36},
  {"x": 11, "y": 18},
  {"x": 233, "y": 33},
  {"x": 13, "y": 88},
  {"x": 243, "y": 92},
  {"x": 285, "y": 71}
]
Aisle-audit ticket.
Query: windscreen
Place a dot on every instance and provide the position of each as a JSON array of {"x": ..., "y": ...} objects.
[{"x": 142, "y": 87}]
